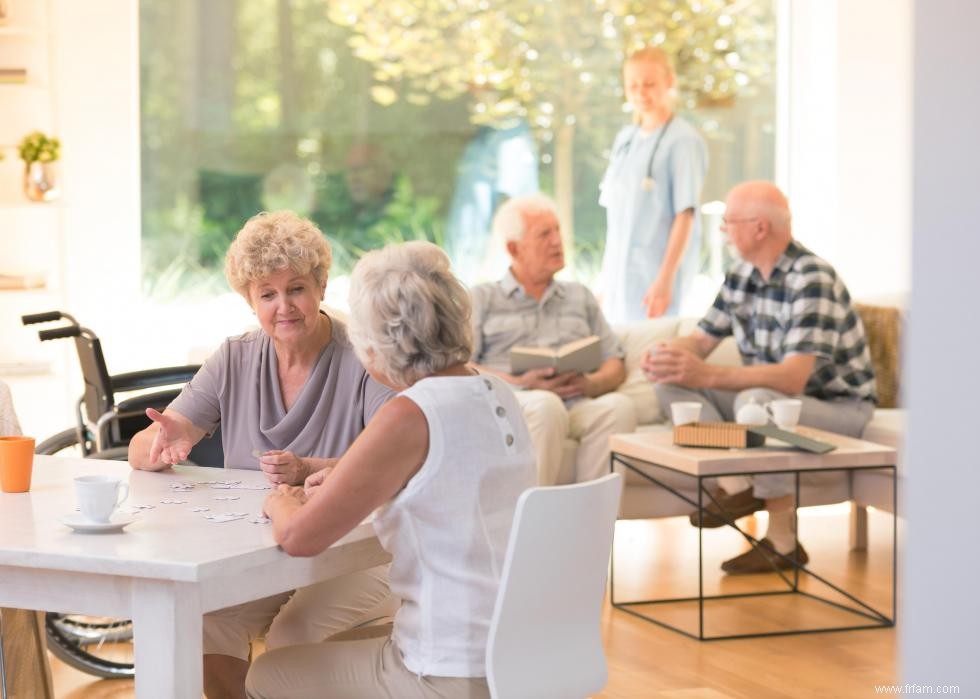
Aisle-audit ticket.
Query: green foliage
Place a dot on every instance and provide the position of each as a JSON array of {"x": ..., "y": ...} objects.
[
  {"x": 302, "y": 81},
  {"x": 36, "y": 146},
  {"x": 400, "y": 215},
  {"x": 172, "y": 259}
]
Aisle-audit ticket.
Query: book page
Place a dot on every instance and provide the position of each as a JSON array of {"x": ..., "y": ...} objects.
[{"x": 581, "y": 356}]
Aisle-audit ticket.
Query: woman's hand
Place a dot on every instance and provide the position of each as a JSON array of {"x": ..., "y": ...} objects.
[
  {"x": 173, "y": 441},
  {"x": 282, "y": 501},
  {"x": 315, "y": 479},
  {"x": 283, "y": 467},
  {"x": 658, "y": 296}
]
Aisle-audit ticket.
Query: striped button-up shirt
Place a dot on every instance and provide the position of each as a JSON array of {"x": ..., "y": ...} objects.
[{"x": 803, "y": 308}]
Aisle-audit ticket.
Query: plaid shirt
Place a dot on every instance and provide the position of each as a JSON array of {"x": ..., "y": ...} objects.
[{"x": 803, "y": 308}]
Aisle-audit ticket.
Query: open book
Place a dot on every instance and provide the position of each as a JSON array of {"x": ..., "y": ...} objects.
[{"x": 583, "y": 356}]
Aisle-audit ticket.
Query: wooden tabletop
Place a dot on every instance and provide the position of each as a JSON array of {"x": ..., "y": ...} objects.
[{"x": 658, "y": 448}]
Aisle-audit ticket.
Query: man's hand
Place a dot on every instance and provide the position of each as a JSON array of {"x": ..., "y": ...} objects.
[
  {"x": 543, "y": 379},
  {"x": 283, "y": 467},
  {"x": 576, "y": 386},
  {"x": 676, "y": 365},
  {"x": 657, "y": 298},
  {"x": 172, "y": 443}
]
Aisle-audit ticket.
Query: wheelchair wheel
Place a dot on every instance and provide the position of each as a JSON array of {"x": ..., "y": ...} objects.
[
  {"x": 65, "y": 443},
  {"x": 99, "y": 646}
]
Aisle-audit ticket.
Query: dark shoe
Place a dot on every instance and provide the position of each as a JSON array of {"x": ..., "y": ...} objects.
[
  {"x": 728, "y": 508},
  {"x": 763, "y": 559}
]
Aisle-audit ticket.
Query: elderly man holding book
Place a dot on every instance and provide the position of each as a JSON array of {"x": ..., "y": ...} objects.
[{"x": 529, "y": 318}]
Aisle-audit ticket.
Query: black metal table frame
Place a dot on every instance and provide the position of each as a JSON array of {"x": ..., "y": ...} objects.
[{"x": 867, "y": 612}]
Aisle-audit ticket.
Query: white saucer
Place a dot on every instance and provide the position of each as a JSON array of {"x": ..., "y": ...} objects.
[{"x": 81, "y": 524}]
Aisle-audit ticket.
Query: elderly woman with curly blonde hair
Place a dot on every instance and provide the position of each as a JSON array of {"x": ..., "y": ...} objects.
[
  {"x": 445, "y": 461},
  {"x": 295, "y": 391}
]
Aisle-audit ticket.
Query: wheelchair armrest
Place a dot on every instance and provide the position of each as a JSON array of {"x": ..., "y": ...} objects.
[{"x": 165, "y": 376}]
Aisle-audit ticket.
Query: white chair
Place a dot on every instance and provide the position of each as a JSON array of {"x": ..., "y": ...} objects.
[{"x": 544, "y": 636}]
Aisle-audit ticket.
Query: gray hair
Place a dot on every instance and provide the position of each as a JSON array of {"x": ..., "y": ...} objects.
[
  {"x": 508, "y": 222},
  {"x": 410, "y": 317},
  {"x": 269, "y": 242}
]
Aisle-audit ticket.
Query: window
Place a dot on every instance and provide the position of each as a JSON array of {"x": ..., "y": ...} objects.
[{"x": 413, "y": 119}]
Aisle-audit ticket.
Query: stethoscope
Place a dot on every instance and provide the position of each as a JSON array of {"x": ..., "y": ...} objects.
[{"x": 647, "y": 183}]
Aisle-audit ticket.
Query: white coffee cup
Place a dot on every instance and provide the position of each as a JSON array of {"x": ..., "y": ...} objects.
[
  {"x": 785, "y": 412},
  {"x": 99, "y": 496},
  {"x": 683, "y": 412}
]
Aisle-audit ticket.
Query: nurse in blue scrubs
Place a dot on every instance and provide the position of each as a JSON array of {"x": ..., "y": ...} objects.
[{"x": 651, "y": 193}]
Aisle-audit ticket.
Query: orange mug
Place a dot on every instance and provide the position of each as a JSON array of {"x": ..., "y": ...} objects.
[{"x": 16, "y": 460}]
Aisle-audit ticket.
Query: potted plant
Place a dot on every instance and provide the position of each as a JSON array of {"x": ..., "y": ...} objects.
[{"x": 39, "y": 153}]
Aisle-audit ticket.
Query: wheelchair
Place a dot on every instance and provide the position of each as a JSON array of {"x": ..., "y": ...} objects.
[{"x": 105, "y": 423}]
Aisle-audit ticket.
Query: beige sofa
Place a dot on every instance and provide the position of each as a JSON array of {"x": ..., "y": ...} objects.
[{"x": 643, "y": 500}]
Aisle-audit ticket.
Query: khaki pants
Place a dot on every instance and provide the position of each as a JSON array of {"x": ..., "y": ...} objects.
[
  {"x": 307, "y": 615},
  {"x": 590, "y": 421},
  {"x": 362, "y": 664}
]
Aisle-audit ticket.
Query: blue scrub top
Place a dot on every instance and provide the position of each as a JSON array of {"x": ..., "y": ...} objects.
[
  {"x": 639, "y": 216},
  {"x": 496, "y": 164}
]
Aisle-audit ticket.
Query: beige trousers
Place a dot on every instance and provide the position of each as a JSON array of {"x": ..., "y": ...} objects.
[
  {"x": 307, "y": 615},
  {"x": 590, "y": 421},
  {"x": 361, "y": 664}
]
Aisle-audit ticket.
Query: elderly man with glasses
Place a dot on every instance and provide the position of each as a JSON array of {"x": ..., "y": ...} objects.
[{"x": 798, "y": 336}]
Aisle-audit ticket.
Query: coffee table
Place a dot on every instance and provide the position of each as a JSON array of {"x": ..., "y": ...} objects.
[{"x": 652, "y": 455}]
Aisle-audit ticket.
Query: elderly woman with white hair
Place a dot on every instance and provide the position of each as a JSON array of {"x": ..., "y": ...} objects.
[
  {"x": 294, "y": 391},
  {"x": 445, "y": 461}
]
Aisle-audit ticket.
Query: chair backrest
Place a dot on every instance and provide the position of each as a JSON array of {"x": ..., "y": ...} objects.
[
  {"x": 544, "y": 638},
  {"x": 98, "y": 397}
]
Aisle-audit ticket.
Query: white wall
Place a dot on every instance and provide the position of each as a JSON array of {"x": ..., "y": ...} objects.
[
  {"x": 97, "y": 74},
  {"x": 874, "y": 130},
  {"x": 808, "y": 120},
  {"x": 97, "y": 77},
  {"x": 849, "y": 137},
  {"x": 940, "y": 606}
]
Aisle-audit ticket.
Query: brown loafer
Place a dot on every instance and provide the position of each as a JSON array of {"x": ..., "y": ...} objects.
[
  {"x": 728, "y": 508},
  {"x": 763, "y": 559}
]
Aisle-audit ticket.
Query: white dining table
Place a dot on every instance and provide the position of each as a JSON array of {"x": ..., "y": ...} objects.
[{"x": 166, "y": 569}]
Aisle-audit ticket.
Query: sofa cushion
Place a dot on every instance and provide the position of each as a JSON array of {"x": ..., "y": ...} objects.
[
  {"x": 883, "y": 326},
  {"x": 886, "y": 427},
  {"x": 636, "y": 338}
]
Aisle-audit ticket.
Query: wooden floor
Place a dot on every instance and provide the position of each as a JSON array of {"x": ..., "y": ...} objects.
[{"x": 658, "y": 559}]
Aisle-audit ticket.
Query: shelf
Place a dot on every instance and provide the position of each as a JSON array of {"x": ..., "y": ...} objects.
[
  {"x": 29, "y": 85},
  {"x": 29, "y": 206},
  {"x": 26, "y": 368},
  {"x": 17, "y": 32},
  {"x": 36, "y": 291}
]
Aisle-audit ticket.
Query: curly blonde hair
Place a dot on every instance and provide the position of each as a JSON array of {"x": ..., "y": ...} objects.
[
  {"x": 271, "y": 241},
  {"x": 410, "y": 317}
]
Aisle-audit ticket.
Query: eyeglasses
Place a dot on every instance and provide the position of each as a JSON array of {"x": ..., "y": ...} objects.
[{"x": 730, "y": 221}]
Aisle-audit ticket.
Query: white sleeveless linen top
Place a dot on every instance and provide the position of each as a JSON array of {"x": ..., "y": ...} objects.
[{"x": 447, "y": 530}]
